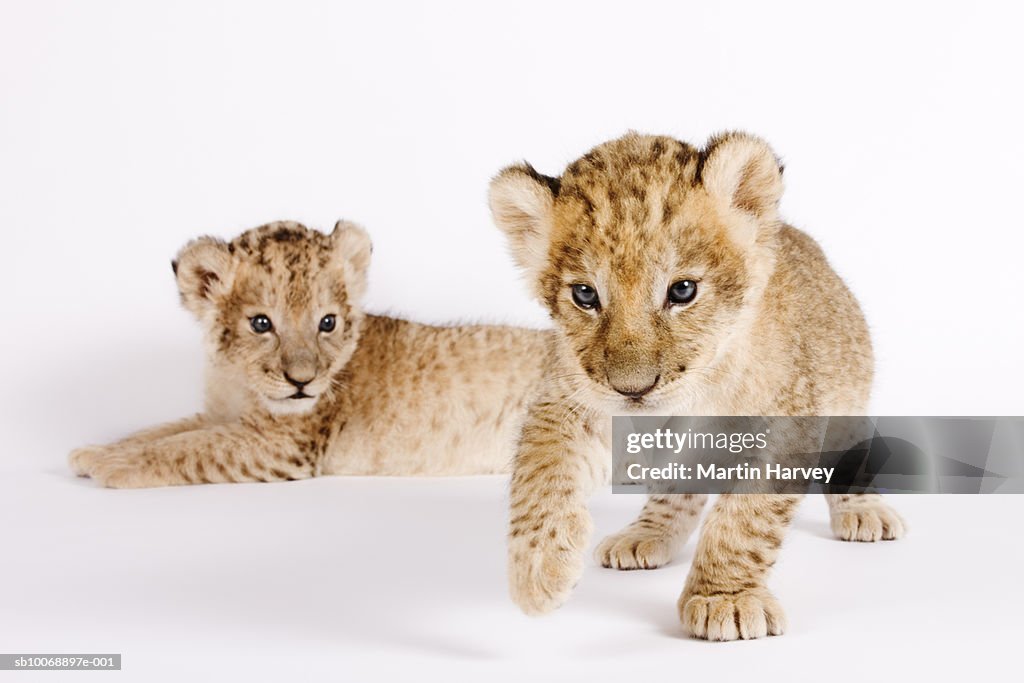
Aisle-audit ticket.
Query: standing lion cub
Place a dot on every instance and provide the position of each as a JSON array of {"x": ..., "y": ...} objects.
[
  {"x": 300, "y": 382},
  {"x": 676, "y": 289}
]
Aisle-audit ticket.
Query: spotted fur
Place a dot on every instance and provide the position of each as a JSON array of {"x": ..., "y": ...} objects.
[
  {"x": 772, "y": 331},
  {"x": 385, "y": 396}
]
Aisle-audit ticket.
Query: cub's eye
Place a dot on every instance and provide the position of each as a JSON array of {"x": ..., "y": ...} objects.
[
  {"x": 585, "y": 297},
  {"x": 682, "y": 292},
  {"x": 260, "y": 324},
  {"x": 327, "y": 323}
]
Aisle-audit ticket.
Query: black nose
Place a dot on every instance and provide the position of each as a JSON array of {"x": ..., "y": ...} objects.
[
  {"x": 638, "y": 393},
  {"x": 300, "y": 385}
]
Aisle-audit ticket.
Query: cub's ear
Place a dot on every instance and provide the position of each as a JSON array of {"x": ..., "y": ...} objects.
[
  {"x": 352, "y": 247},
  {"x": 204, "y": 269},
  {"x": 742, "y": 170},
  {"x": 521, "y": 203}
]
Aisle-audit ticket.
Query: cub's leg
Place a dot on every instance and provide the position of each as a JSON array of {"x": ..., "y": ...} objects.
[
  {"x": 725, "y": 597},
  {"x": 217, "y": 454},
  {"x": 661, "y": 529},
  {"x": 553, "y": 475},
  {"x": 86, "y": 453},
  {"x": 858, "y": 516},
  {"x": 863, "y": 517}
]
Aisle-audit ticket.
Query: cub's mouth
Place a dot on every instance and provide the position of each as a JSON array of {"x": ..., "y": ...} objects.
[{"x": 293, "y": 404}]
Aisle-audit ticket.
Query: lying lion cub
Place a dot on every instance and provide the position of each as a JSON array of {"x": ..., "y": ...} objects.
[
  {"x": 302, "y": 383},
  {"x": 675, "y": 289}
]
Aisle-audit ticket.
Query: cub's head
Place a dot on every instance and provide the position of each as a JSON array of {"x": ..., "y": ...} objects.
[
  {"x": 649, "y": 254},
  {"x": 279, "y": 306}
]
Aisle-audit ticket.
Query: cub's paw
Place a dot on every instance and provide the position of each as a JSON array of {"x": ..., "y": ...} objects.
[
  {"x": 868, "y": 523},
  {"x": 545, "y": 563},
  {"x": 112, "y": 468},
  {"x": 635, "y": 548},
  {"x": 82, "y": 460},
  {"x": 742, "y": 615}
]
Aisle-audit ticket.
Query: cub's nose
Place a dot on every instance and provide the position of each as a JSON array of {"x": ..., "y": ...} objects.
[
  {"x": 299, "y": 384},
  {"x": 637, "y": 392}
]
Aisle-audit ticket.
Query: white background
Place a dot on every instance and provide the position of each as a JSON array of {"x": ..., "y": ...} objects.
[{"x": 127, "y": 128}]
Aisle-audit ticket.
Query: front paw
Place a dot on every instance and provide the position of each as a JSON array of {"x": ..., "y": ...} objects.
[
  {"x": 868, "y": 523},
  {"x": 112, "y": 467},
  {"x": 83, "y": 460},
  {"x": 546, "y": 562},
  {"x": 744, "y": 614},
  {"x": 635, "y": 548}
]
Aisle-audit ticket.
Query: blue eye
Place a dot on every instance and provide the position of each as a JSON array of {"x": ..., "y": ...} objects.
[
  {"x": 260, "y": 324},
  {"x": 585, "y": 297},
  {"x": 682, "y": 292},
  {"x": 327, "y": 323}
]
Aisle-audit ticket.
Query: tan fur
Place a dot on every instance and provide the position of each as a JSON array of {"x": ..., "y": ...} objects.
[
  {"x": 772, "y": 331},
  {"x": 389, "y": 397}
]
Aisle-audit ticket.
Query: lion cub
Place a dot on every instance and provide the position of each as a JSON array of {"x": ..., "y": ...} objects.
[
  {"x": 675, "y": 289},
  {"x": 301, "y": 382}
]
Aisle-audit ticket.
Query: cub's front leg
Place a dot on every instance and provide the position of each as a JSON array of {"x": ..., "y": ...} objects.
[
  {"x": 222, "y": 453},
  {"x": 553, "y": 474},
  {"x": 725, "y": 597},
  {"x": 85, "y": 454}
]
